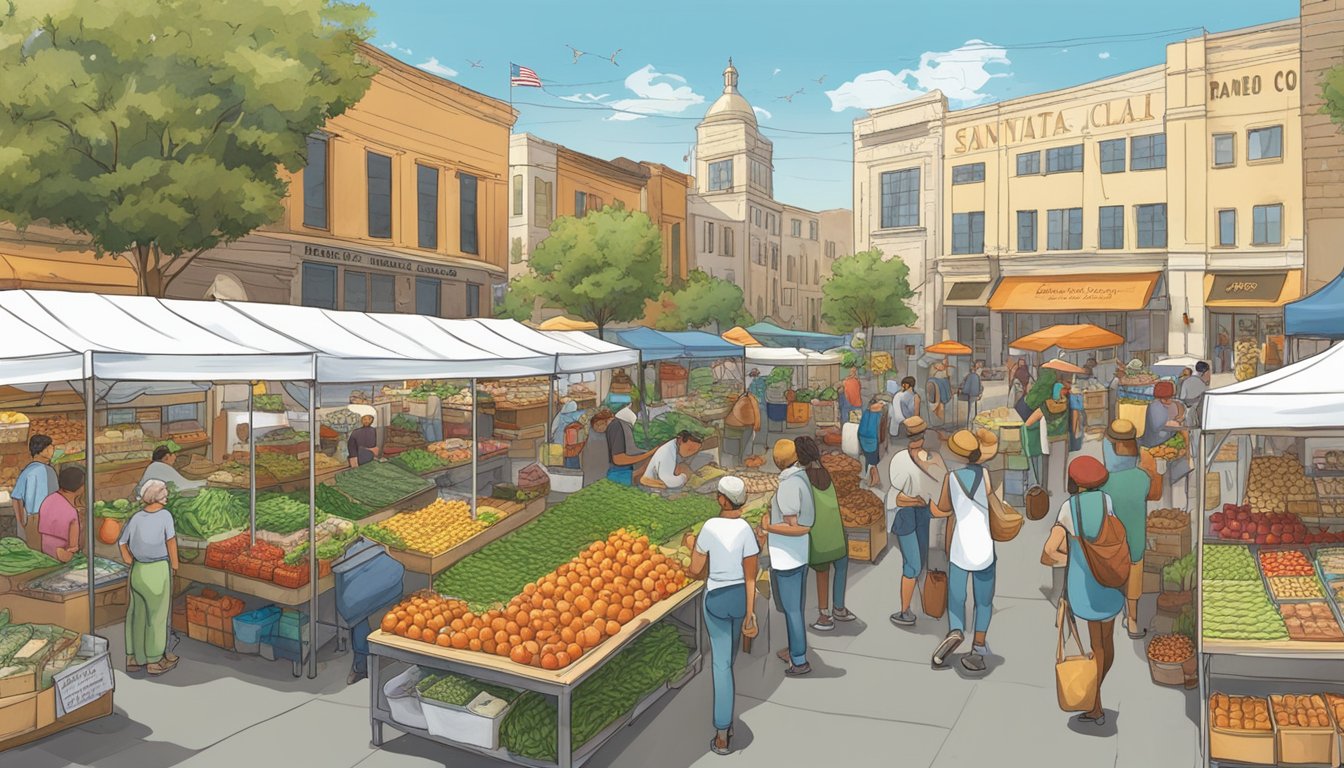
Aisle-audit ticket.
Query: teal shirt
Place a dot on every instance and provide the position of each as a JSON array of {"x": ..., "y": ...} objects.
[{"x": 1128, "y": 490}]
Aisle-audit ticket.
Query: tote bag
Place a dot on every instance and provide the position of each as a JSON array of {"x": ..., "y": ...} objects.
[
  {"x": 1075, "y": 676},
  {"x": 934, "y": 597}
]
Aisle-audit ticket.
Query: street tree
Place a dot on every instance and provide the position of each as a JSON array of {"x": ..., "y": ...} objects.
[
  {"x": 701, "y": 301},
  {"x": 158, "y": 130},
  {"x": 601, "y": 267},
  {"x": 520, "y": 300},
  {"x": 1332, "y": 93},
  {"x": 866, "y": 291}
]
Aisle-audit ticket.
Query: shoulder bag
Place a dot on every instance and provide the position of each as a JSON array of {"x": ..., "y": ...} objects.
[
  {"x": 1075, "y": 676},
  {"x": 1004, "y": 521},
  {"x": 1108, "y": 554}
]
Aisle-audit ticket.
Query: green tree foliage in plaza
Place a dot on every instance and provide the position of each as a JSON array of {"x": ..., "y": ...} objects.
[
  {"x": 1332, "y": 92},
  {"x": 702, "y": 300},
  {"x": 157, "y": 130},
  {"x": 866, "y": 291},
  {"x": 520, "y": 300},
  {"x": 601, "y": 267}
]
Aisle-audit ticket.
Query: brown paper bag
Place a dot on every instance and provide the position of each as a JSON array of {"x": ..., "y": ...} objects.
[{"x": 934, "y": 597}]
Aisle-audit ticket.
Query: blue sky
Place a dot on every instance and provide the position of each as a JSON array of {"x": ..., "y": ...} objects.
[{"x": 808, "y": 65}]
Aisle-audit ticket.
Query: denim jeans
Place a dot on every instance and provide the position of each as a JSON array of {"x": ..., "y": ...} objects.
[
  {"x": 983, "y": 592},
  {"x": 359, "y": 643},
  {"x": 911, "y": 527},
  {"x": 790, "y": 587},
  {"x": 725, "y": 609},
  {"x": 839, "y": 580}
]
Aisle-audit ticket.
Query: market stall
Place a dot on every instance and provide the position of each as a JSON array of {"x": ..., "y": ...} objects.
[{"x": 774, "y": 336}]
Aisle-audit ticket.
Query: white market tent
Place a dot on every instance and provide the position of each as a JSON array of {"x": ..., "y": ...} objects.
[
  {"x": 1308, "y": 394},
  {"x": 790, "y": 356}
]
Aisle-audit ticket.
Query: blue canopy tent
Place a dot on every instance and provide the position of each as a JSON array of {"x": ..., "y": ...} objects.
[
  {"x": 652, "y": 345},
  {"x": 701, "y": 345},
  {"x": 1319, "y": 315},
  {"x": 774, "y": 336}
]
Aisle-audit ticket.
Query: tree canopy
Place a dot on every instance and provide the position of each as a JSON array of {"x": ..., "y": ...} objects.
[
  {"x": 866, "y": 291},
  {"x": 158, "y": 129},
  {"x": 702, "y": 300}
]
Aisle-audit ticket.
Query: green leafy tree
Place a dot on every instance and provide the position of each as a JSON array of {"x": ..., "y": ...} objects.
[
  {"x": 1332, "y": 93},
  {"x": 157, "y": 130},
  {"x": 866, "y": 291},
  {"x": 701, "y": 301},
  {"x": 602, "y": 267},
  {"x": 520, "y": 300}
]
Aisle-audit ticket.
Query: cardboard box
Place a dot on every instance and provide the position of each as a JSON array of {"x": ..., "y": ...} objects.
[
  {"x": 46, "y": 707},
  {"x": 198, "y": 632},
  {"x": 18, "y": 714},
  {"x": 86, "y": 681},
  {"x": 868, "y": 542}
]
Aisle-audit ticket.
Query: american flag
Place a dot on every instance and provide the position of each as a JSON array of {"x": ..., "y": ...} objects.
[{"x": 523, "y": 77}]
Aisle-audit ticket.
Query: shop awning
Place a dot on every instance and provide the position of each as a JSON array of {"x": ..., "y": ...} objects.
[
  {"x": 1305, "y": 395},
  {"x": 59, "y": 270},
  {"x": 1071, "y": 338},
  {"x": 652, "y": 345},
  {"x": 775, "y": 336},
  {"x": 1252, "y": 289},
  {"x": 1075, "y": 293},
  {"x": 973, "y": 293},
  {"x": 1318, "y": 315},
  {"x": 562, "y": 323},
  {"x": 738, "y": 335}
]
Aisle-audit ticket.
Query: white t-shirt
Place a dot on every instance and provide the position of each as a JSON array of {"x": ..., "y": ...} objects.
[
  {"x": 972, "y": 545},
  {"x": 663, "y": 465},
  {"x": 727, "y": 541},
  {"x": 909, "y": 479},
  {"x": 793, "y": 498}
]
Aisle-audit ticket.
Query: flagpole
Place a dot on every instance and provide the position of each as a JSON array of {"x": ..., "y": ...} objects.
[{"x": 510, "y": 84}]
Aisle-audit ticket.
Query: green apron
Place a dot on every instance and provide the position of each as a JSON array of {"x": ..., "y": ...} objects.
[{"x": 826, "y": 542}]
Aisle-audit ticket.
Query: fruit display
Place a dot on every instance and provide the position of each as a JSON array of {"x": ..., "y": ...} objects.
[
  {"x": 1240, "y": 610},
  {"x": 16, "y": 558},
  {"x": 1229, "y": 563},
  {"x": 255, "y": 560},
  {"x": 502, "y": 569},
  {"x": 759, "y": 482},
  {"x": 668, "y": 426},
  {"x": 1285, "y": 562},
  {"x": 1293, "y": 711},
  {"x": 1311, "y": 622},
  {"x": 1170, "y": 649},
  {"x": 438, "y": 527},
  {"x": 284, "y": 515},
  {"x": 861, "y": 508},
  {"x": 65, "y": 432},
  {"x": 1239, "y": 713},
  {"x": 282, "y": 466},
  {"x": 655, "y": 658},
  {"x": 1295, "y": 588},
  {"x": 380, "y": 483},
  {"x": 419, "y": 461},
  {"x": 997, "y": 418},
  {"x": 1331, "y": 560},
  {"x": 1168, "y": 519},
  {"x": 1276, "y": 481},
  {"x": 210, "y": 512},
  {"x": 517, "y": 393},
  {"x": 1238, "y": 523},
  {"x": 1245, "y": 358}
]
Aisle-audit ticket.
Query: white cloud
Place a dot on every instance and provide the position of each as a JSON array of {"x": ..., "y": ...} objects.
[
  {"x": 655, "y": 93},
  {"x": 776, "y": 72},
  {"x": 434, "y": 66},
  {"x": 763, "y": 114},
  {"x": 586, "y": 98},
  {"x": 393, "y": 47},
  {"x": 960, "y": 74},
  {"x": 1104, "y": 55}
]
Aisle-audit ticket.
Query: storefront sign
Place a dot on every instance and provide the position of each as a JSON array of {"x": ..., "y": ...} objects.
[
  {"x": 1074, "y": 293},
  {"x": 1255, "y": 286},
  {"x": 1282, "y": 81},
  {"x": 359, "y": 258},
  {"x": 1011, "y": 131}
]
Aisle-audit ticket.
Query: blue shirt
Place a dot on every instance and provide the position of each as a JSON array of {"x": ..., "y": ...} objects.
[
  {"x": 36, "y": 482},
  {"x": 869, "y": 424}
]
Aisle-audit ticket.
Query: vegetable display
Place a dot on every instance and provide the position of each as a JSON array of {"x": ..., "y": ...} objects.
[
  {"x": 284, "y": 515},
  {"x": 380, "y": 484},
  {"x": 1287, "y": 562},
  {"x": 333, "y": 502},
  {"x": 268, "y": 403},
  {"x": 1240, "y": 610},
  {"x": 419, "y": 460},
  {"x": 16, "y": 558},
  {"x": 119, "y": 509},
  {"x": 209, "y": 513},
  {"x": 458, "y": 691},
  {"x": 668, "y": 426},
  {"x": 1168, "y": 519},
  {"x": 1179, "y": 571},
  {"x": 1229, "y": 563},
  {"x": 282, "y": 466}
]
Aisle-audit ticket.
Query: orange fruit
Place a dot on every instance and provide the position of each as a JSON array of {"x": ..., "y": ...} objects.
[
  {"x": 498, "y": 623},
  {"x": 401, "y": 628},
  {"x": 511, "y": 627},
  {"x": 501, "y": 636},
  {"x": 550, "y": 661},
  {"x": 443, "y": 641},
  {"x": 473, "y": 632},
  {"x": 487, "y": 646},
  {"x": 428, "y": 635},
  {"x": 502, "y": 650},
  {"x": 527, "y": 633},
  {"x": 625, "y": 616},
  {"x": 562, "y": 659},
  {"x": 515, "y": 639},
  {"x": 567, "y": 635},
  {"x": 458, "y": 625},
  {"x": 613, "y": 611},
  {"x": 389, "y": 622},
  {"x": 460, "y": 640},
  {"x": 628, "y": 601},
  {"x": 520, "y": 655},
  {"x": 627, "y": 571},
  {"x": 566, "y": 619},
  {"x": 613, "y": 628},
  {"x": 591, "y": 636}
]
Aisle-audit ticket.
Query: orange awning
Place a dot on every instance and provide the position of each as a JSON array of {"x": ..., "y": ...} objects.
[
  {"x": 948, "y": 348},
  {"x": 1074, "y": 293},
  {"x": 562, "y": 323},
  {"x": 1073, "y": 338},
  {"x": 66, "y": 270},
  {"x": 739, "y": 336},
  {"x": 1252, "y": 289}
]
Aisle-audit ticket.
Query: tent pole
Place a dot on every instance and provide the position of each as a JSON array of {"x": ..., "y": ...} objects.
[
  {"x": 312, "y": 527},
  {"x": 89, "y": 387},
  {"x": 475, "y": 449},
  {"x": 252, "y": 465}
]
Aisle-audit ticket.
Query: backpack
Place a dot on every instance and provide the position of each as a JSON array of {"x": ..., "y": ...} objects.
[{"x": 1108, "y": 554}]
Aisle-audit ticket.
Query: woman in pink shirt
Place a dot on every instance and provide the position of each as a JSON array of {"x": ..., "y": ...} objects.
[{"x": 58, "y": 521}]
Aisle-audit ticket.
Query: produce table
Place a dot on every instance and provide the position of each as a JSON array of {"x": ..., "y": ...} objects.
[
  {"x": 263, "y": 590},
  {"x": 559, "y": 683},
  {"x": 419, "y": 562},
  {"x": 70, "y": 609},
  {"x": 488, "y": 471}
]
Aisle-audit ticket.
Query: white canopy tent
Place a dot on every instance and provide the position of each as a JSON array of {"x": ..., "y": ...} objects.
[
  {"x": 775, "y": 356},
  {"x": 1308, "y": 394}
]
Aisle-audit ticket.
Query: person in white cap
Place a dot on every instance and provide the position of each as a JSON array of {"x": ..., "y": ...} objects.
[{"x": 725, "y": 553}]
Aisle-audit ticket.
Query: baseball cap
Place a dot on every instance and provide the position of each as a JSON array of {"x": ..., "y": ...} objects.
[{"x": 733, "y": 489}]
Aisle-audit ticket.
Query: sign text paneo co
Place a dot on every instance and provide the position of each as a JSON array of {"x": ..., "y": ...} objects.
[{"x": 1049, "y": 124}]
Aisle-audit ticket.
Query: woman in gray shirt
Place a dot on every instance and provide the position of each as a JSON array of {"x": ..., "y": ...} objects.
[{"x": 149, "y": 545}]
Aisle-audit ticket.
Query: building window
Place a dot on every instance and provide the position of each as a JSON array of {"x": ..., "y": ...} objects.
[
  {"x": 1224, "y": 149},
  {"x": 1227, "y": 227},
  {"x": 543, "y": 210},
  {"x": 774, "y": 256},
  {"x": 466, "y": 221},
  {"x": 727, "y": 242},
  {"x": 709, "y": 237},
  {"x": 720, "y": 175},
  {"x": 676, "y": 250},
  {"x": 1148, "y": 153},
  {"x": 1028, "y": 163},
  {"x": 379, "y": 172},
  {"x": 970, "y": 173},
  {"x": 1267, "y": 221},
  {"x": 427, "y": 293},
  {"x": 183, "y": 412},
  {"x": 580, "y": 204},
  {"x": 788, "y": 297},
  {"x": 796, "y": 227},
  {"x": 319, "y": 286},
  {"x": 356, "y": 294},
  {"x": 1113, "y": 156},
  {"x": 473, "y": 300},
  {"x": 788, "y": 271},
  {"x": 366, "y": 292},
  {"x": 772, "y": 223},
  {"x": 518, "y": 194},
  {"x": 315, "y": 184},
  {"x": 900, "y": 198},
  {"x": 812, "y": 231},
  {"x": 1064, "y": 230},
  {"x": 1264, "y": 143},
  {"x": 121, "y": 416},
  {"x": 968, "y": 232},
  {"x": 1111, "y": 227},
  {"x": 427, "y": 205},
  {"x": 730, "y": 276},
  {"x": 830, "y": 249},
  {"x": 1152, "y": 225},
  {"x": 1064, "y": 159},
  {"x": 1026, "y": 231}
]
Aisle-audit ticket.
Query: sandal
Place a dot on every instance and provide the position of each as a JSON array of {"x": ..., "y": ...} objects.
[
  {"x": 159, "y": 667},
  {"x": 842, "y": 614},
  {"x": 726, "y": 749},
  {"x": 131, "y": 666}
]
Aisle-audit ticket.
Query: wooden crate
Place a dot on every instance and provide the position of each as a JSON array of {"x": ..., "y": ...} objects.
[
  {"x": 1173, "y": 543},
  {"x": 1094, "y": 400},
  {"x": 1252, "y": 747},
  {"x": 868, "y": 542},
  {"x": 419, "y": 562}
]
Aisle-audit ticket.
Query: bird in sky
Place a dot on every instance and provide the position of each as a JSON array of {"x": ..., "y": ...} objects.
[
  {"x": 613, "y": 57},
  {"x": 577, "y": 53},
  {"x": 789, "y": 98},
  {"x": 820, "y": 80},
  {"x": 776, "y": 72},
  {"x": 475, "y": 64}
]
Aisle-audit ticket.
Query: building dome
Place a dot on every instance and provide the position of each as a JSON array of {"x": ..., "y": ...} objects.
[{"x": 731, "y": 105}]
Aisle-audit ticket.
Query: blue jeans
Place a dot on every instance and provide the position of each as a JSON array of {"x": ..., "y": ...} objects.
[
  {"x": 622, "y": 475},
  {"x": 790, "y": 589},
  {"x": 838, "y": 582},
  {"x": 725, "y": 609},
  {"x": 359, "y": 643},
  {"x": 983, "y": 588},
  {"x": 912, "y": 535}
]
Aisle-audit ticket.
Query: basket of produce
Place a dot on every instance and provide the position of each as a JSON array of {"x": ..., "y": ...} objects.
[
  {"x": 14, "y": 428},
  {"x": 1171, "y": 450},
  {"x": 1306, "y": 732},
  {"x": 860, "y": 508},
  {"x": 1241, "y": 729},
  {"x": 1275, "y": 482},
  {"x": 1168, "y": 659},
  {"x": 464, "y": 710},
  {"x": 1177, "y": 585}
]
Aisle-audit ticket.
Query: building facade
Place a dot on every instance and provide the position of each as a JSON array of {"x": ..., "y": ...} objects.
[
  {"x": 778, "y": 254},
  {"x": 1322, "y": 40},
  {"x": 1161, "y": 204}
]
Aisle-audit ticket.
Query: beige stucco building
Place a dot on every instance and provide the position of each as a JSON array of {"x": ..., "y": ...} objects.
[{"x": 1162, "y": 204}]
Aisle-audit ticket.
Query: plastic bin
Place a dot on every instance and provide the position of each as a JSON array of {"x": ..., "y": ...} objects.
[
  {"x": 254, "y": 626},
  {"x": 403, "y": 701},
  {"x": 462, "y": 725}
]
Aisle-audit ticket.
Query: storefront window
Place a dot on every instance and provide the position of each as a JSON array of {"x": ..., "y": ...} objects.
[
  {"x": 467, "y": 213},
  {"x": 473, "y": 300},
  {"x": 379, "y": 173},
  {"x": 356, "y": 291},
  {"x": 315, "y": 184},
  {"x": 382, "y": 293},
  {"x": 427, "y": 294},
  {"x": 318, "y": 288}
]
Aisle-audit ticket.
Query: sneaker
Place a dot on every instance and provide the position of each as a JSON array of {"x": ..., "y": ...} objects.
[
  {"x": 973, "y": 662},
  {"x": 798, "y": 670},
  {"x": 842, "y": 614},
  {"x": 950, "y": 643},
  {"x": 355, "y": 676},
  {"x": 903, "y": 619},
  {"x": 823, "y": 624}
]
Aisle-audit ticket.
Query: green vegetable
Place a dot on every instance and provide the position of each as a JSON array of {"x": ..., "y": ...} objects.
[
  {"x": 1178, "y": 572},
  {"x": 406, "y": 423},
  {"x": 4, "y": 617},
  {"x": 283, "y": 515},
  {"x": 459, "y": 691},
  {"x": 12, "y": 638},
  {"x": 668, "y": 426},
  {"x": 419, "y": 461},
  {"x": 1043, "y": 389},
  {"x": 333, "y": 502},
  {"x": 120, "y": 509},
  {"x": 16, "y": 558},
  {"x": 209, "y": 513},
  {"x": 171, "y": 445},
  {"x": 268, "y": 403},
  {"x": 1229, "y": 562},
  {"x": 1240, "y": 610},
  {"x": 382, "y": 536},
  {"x": 829, "y": 393},
  {"x": 380, "y": 484}
]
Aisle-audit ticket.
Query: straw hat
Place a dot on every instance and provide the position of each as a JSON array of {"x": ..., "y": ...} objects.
[
  {"x": 1122, "y": 429},
  {"x": 914, "y": 427},
  {"x": 786, "y": 455},
  {"x": 963, "y": 442}
]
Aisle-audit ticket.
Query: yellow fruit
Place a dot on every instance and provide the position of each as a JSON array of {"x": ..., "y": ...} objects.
[{"x": 437, "y": 527}]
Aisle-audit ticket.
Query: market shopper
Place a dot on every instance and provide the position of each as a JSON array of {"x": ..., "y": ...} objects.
[
  {"x": 917, "y": 476},
  {"x": 851, "y": 395},
  {"x": 161, "y": 467},
  {"x": 35, "y": 483},
  {"x": 58, "y": 520},
  {"x": 1164, "y": 416},
  {"x": 904, "y": 404},
  {"x": 1192, "y": 394},
  {"x": 964, "y": 499},
  {"x": 725, "y": 554},
  {"x": 1128, "y": 487},
  {"x": 787, "y": 528},
  {"x": 363, "y": 443},
  {"x": 149, "y": 545},
  {"x": 741, "y": 425},
  {"x": 1081, "y": 516},
  {"x": 623, "y": 466},
  {"x": 940, "y": 388},
  {"x": 870, "y": 437},
  {"x": 827, "y": 550},
  {"x": 666, "y": 469},
  {"x": 569, "y": 414},
  {"x": 971, "y": 390},
  {"x": 1047, "y": 434},
  {"x": 431, "y": 426}
]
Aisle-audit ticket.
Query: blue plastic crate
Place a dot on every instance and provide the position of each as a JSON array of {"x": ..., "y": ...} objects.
[
  {"x": 255, "y": 626},
  {"x": 292, "y": 625}
]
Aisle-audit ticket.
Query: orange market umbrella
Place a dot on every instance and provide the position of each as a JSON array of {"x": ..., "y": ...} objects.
[
  {"x": 562, "y": 323},
  {"x": 948, "y": 347},
  {"x": 739, "y": 336},
  {"x": 1063, "y": 366},
  {"x": 1071, "y": 338}
]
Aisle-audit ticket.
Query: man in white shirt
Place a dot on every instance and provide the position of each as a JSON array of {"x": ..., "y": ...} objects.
[
  {"x": 916, "y": 477},
  {"x": 1192, "y": 393},
  {"x": 792, "y": 513},
  {"x": 665, "y": 469}
]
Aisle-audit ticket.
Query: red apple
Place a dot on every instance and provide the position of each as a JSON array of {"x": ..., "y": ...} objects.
[{"x": 1272, "y": 539}]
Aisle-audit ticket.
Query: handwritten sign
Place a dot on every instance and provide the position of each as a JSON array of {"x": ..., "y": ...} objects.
[{"x": 84, "y": 683}]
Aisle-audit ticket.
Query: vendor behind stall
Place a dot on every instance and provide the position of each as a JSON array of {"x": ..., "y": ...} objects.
[
  {"x": 665, "y": 469},
  {"x": 1164, "y": 416},
  {"x": 161, "y": 468},
  {"x": 569, "y": 415},
  {"x": 363, "y": 443},
  {"x": 59, "y": 521},
  {"x": 626, "y": 468}
]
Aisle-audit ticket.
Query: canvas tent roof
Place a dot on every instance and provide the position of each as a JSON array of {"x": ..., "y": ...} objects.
[
  {"x": 738, "y": 335},
  {"x": 1073, "y": 338},
  {"x": 562, "y": 323},
  {"x": 775, "y": 356},
  {"x": 1307, "y": 394},
  {"x": 1317, "y": 315},
  {"x": 699, "y": 344},
  {"x": 769, "y": 333}
]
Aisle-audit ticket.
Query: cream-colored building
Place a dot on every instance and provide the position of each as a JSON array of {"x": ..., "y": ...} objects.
[
  {"x": 1162, "y": 204},
  {"x": 779, "y": 254}
]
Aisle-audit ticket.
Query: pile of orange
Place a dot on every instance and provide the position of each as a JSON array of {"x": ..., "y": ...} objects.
[{"x": 559, "y": 617}]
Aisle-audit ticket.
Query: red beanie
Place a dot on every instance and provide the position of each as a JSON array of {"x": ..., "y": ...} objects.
[{"x": 1087, "y": 472}]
